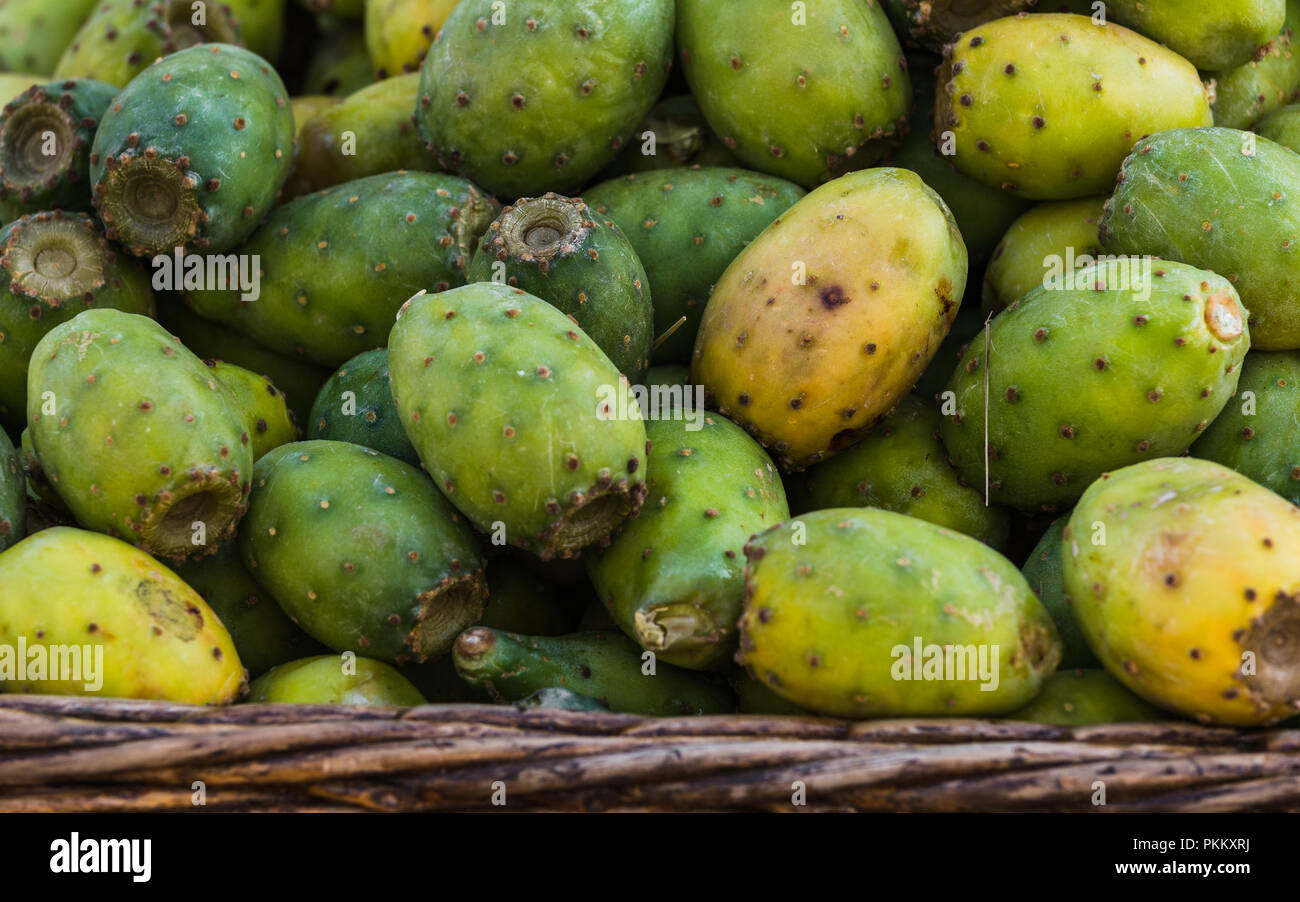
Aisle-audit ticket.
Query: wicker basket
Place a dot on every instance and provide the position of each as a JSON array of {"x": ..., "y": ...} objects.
[{"x": 79, "y": 755}]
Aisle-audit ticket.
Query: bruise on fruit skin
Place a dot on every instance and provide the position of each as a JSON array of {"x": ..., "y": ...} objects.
[{"x": 184, "y": 621}]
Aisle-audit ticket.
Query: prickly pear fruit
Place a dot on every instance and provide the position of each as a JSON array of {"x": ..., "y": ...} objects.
[
  {"x": 45, "y": 137},
  {"x": 305, "y": 108},
  {"x": 52, "y": 267},
  {"x": 337, "y": 264},
  {"x": 356, "y": 405},
  {"x": 1041, "y": 247},
  {"x": 361, "y": 551},
  {"x": 329, "y": 680},
  {"x": 520, "y": 600},
  {"x": 13, "y": 494},
  {"x": 879, "y": 615},
  {"x": 557, "y": 249},
  {"x": 968, "y": 324},
  {"x": 499, "y": 393},
  {"x": 399, "y": 32},
  {"x": 1210, "y": 36},
  {"x": 122, "y": 37},
  {"x": 260, "y": 24},
  {"x": 368, "y": 133},
  {"x": 1257, "y": 432},
  {"x": 608, "y": 667},
  {"x": 1246, "y": 94},
  {"x": 834, "y": 70},
  {"x": 171, "y": 462},
  {"x": 756, "y": 698},
  {"x": 34, "y": 33},
  {"x": 1130, "y": 362},
  {"x": 901, "y": 466},
  {"x": 674, "y": 135},
  {"x": 1080, "y": 697},
  {"x": 686, "y": 227},
  {"x": 934, "y": 23},
  {"x": 1282, "y": 127},
  {"x": 672, "y": 578},
  {"x": 192, "y": 152},
  {"x": 148, "y": 634},
  {"x": 539, "y": 97},
  {"x": 262, "y": 407},
  {"x": 816, "y": 329},
  {"x": 1218, "y": 199},
  {"x": 1047, "y": 106},
  {"x": 1186, "y": 583},
  {"x": 1045, "y": 573},
  {"x": 341, "y": 63},
  {"x": 562, "y": 700},
  {"x": 263, "y": 635}
]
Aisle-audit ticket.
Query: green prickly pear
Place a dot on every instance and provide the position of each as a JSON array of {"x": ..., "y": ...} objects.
[
  {"x": 34, "y": 33},
  {"x": 556, "y": 249},
  {"x": 137, "y": 435},
  {"x": 1053, "y": 238},
  {"x": 674, "y": 135},
  {"x": 356, "y": 405},
  {"x": 1246, "y": 94},
  {"x": 834, "y": 69},
  {"x": 1283, "y": 127},
  {"x": 45, "y": 137},
  {"x": 305, "y": 108},
  {"x": 122, "y": 37},
  {"x": 361, "y": 551},
  {"x": 608, "y": 667},
  {"x": 336, "y": 265},
  {"x": 1045, "y": 572},
  {"x": 1125, "y": 361},
  {"x": 1187, "y": 586},
  {"x": 331, "y": 680},
  {"x": 149, "y": 634},
  {"x": 860, "y": 612},
  {"x": 538, "y": 97},
  {"x": 756, "y": 698},
  {"x": 192, "y": 152},
  {"x": 672, "y": 577},
  {"x": 816, "y": 329},
  {"x": 53, "y": 266},
  {"x": 399, "y": 32},
  {"x": 686, "y": 226},
  {"x": 13, "y": 494},
  {"x": 1218, "y": 199},
  {"x": 340, "y": 65},
  {"x": 1047, "y": 106},
  {"x": 1074, "y": 698},
  {"x": 1257, "y": 432},
  {"x": 267, "y": 420},
  {"x": 901, "y": 466},
  {"x": 260, "y": 24},
  {"x": 519, "y": 417},
  {"x": 1210, "y": 36}
]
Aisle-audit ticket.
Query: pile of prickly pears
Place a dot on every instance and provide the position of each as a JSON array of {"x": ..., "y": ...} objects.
[{"x": 850, "y": 358}]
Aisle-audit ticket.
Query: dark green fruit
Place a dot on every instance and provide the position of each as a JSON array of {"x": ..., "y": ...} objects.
[
  {"x": 356, "y": 405},
  {"x": 13, "y": 495},
  {"x": 1046, "y": 576},
  {"x": 1081, "y": 697}
]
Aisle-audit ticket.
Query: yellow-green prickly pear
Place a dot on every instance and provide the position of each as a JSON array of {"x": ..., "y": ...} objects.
[
  {"x": 334, "y": 680},
  {"x": 133, "y": 627},
  {"x": 1079, "y": 697},
  {"x": 831, "y": 314},
  {"x": 1185, "y": 578}
]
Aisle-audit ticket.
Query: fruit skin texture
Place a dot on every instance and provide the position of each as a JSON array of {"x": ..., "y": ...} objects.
[
  {"x": 399, "y": 32},
  {"x": 321, "y": 681},
  {"x": 263, "y": 635},
  {"x": 1043, "y": 129},
  {"x": 1073, "y": 698},
  {"x": 604, "y": 666},
  {"x": 498, "y": 391},
  {"x": 557, "y": 249},
  {"x": 934, "y": 23},
  {"x": 142, "y": 442},
  {"x": 34, "y": 33},
  {"x": 824, "y": 621},
  {"x": 806, "y": 369},
  {"x": 53, "y": 266},
  {"x": 1092, "y": 377},
  {"x": 1248, "y": 93},
  {"x": 543, "y": 101},
  {"x": 840, "y": 82},
  {"x": 686, "y": 226},
  {"x": 1019, "y": 263},
  {"x": 1198, "y": 568},
  {"x": 13, "y": 495},
  {"x": 1257, "y": 436},
  {"x": 356, "y": 405},
  {"x": 218, "y": 122},
  {"x": 901, "y": 466},
  {"x": 160, "y": 639},
  {"x": 1211, "y": 36},
  {"x": 122, "y": 37},
  {"x": 1282, "y": 127},
  {"x": 31, "y": 180},
  {"x": 265, "y": 415},
  {"x": 386, "y": 237},
  {"x": 1045, "y": 573},
  {"x": 1245, "y": 187},
  {"x": 672, "y": 578},
  {"x": 361, "y": 551}
]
